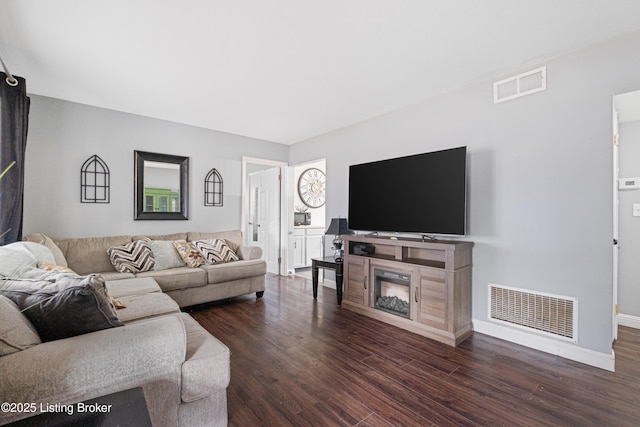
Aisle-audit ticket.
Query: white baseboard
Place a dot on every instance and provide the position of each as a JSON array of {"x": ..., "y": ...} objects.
[
  {"x": 629, "y": 321},
  {"x": 548, "y": 345}
]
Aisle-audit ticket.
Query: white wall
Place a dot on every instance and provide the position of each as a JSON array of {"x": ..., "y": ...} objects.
[
  {"x": 629, "y": 268},
  {"x": 540, "y": 176},
  {"x": 62, "y": 135}
]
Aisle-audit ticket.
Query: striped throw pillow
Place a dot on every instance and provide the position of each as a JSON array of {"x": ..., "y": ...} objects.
[
  {"x": 215, "y": 250},
  {"x": 133, "y": 257}
]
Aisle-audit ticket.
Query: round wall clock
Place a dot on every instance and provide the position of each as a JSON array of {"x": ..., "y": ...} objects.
[{"x": 311, "y": 187}]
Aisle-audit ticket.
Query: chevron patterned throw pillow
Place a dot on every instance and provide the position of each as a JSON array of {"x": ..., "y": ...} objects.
[
  {"x": 133, "y": 257},
  {"x": 215, "y": 250}
]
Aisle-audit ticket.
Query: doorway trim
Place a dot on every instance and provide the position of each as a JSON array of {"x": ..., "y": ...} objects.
[
  {"x": 616, "y": 219},
  {"x": 626, "y": 109},
  {"x": 283, "y": 193}
]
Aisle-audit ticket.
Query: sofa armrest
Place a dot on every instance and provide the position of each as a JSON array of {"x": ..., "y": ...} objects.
[
  {"x": 249, "y": 252},
  {"x": 92, "y": 365}
]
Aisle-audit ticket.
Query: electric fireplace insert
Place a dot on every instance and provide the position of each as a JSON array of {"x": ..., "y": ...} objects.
[{"x": 391, "y": 292}]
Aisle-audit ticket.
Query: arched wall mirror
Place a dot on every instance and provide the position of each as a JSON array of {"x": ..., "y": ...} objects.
[{"x": 161, "y": 186}]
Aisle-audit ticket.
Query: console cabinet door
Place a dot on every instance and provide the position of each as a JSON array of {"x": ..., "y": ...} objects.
[
  {"x": 356, "y": 280},
  {"x": 432, "y": 298}
]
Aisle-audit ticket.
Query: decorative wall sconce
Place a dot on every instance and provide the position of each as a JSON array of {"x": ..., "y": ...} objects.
[
  {"x": 95, "y": 182},
  {"x": 213, "y": 188}
]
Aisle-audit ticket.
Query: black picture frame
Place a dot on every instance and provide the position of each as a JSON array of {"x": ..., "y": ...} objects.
[{"x": 140, "y": 157}]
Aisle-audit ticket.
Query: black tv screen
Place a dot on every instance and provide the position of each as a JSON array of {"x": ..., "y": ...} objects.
[{"x": 423, "y": 193}]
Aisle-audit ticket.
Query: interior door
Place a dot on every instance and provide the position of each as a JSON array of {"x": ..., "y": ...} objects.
[{"x": 263, "y": 227}]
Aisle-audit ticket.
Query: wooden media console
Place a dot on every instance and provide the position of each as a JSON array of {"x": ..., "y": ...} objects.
[{"x": 380, "y": 273}]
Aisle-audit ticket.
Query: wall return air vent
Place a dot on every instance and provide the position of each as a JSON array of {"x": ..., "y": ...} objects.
[
  {"x": 523, "y": 84},
  {"x": 552, "y": 315}
]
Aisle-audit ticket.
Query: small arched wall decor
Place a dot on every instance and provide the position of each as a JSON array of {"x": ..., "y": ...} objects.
[
  {"x": 213, "y": 188},
  {"x": 95, "y": 182}
]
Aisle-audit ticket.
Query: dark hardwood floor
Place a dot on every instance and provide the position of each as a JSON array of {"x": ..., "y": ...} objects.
[{"x": 300, "y": 362}]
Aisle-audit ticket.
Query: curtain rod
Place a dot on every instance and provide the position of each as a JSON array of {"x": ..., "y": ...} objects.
[{"x": 11, "y": 81}]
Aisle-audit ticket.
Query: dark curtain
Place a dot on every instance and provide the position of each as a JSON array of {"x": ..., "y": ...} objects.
[{"x": 14, "y": 115}]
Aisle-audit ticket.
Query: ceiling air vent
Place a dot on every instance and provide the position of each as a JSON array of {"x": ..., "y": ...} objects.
[{"x": 523, "y": 84}]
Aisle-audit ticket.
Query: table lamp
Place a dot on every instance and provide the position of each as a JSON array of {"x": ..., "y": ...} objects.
[{"x": 338, "y": 227}]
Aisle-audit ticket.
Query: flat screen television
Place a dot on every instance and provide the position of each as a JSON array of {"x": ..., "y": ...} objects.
[{"x": 422, "y": 193}]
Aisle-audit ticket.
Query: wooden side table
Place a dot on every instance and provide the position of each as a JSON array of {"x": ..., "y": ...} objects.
[{"x": 330, "y": 263}]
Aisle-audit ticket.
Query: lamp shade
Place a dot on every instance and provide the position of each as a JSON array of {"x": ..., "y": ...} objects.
[{"x": 338, "y": 226}]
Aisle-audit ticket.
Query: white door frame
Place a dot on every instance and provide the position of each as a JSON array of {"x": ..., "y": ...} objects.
[
  {"x": 283, "y": 193},
  {"x": 616, "y": 219}
]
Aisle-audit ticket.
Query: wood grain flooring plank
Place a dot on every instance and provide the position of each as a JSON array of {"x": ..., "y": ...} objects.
[
  {"x": 340, "y": 375},
  {"x": 374, "y": 420},
  {"x": 587, "y": 407},
  {"x": 462, "y": 398}
]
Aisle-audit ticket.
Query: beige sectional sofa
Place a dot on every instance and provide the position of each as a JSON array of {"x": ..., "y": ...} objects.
[
  {"x": 186, "y": 285},
  {"x": 183, "y": 370}
]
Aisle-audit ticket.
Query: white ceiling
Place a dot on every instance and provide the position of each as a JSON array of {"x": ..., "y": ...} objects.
[{"x": 286, "y": 70}]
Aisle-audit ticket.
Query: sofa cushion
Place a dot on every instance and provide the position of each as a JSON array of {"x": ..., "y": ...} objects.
[
  {"x": 65, "y": 307},
  {"x": 132, "y": 257},
  {"x": 215, "y": 250},
  {"x": 147, "y": 305},
  {"x": 177, "y": 278},
  {"x": 16, "y": 332},
  {"x": 114, "y": 275},
  {"x": 89, "y": 254},
  {"x": 45, "y": 240},
  {"x": 172, "y": 237},
  {"x": 225, "y": 272},
  {"x": 207, "y": 363},
  {"x": 128, "y": 287},
  {"x": 20, "y": 256},
  {"x": 189, "y": 253},
  {"x": 165, "y": 254},
  {"x": 233, "y": 237}
]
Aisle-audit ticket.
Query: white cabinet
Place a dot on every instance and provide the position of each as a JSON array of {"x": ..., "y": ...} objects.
[
  {"x": 307, "y": 244},
  {"x": 314, "y": 246},
  {"x": 298, "y": 251}
]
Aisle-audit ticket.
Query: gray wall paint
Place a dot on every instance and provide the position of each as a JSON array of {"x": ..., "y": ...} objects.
[
  {"x": 62, "y": 135},
  {"x": 629, "y": 233},
  {"x": 539, "y": 171}
]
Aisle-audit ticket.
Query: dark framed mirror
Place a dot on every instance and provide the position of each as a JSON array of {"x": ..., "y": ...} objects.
[{"x": 161, "y": 188}]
